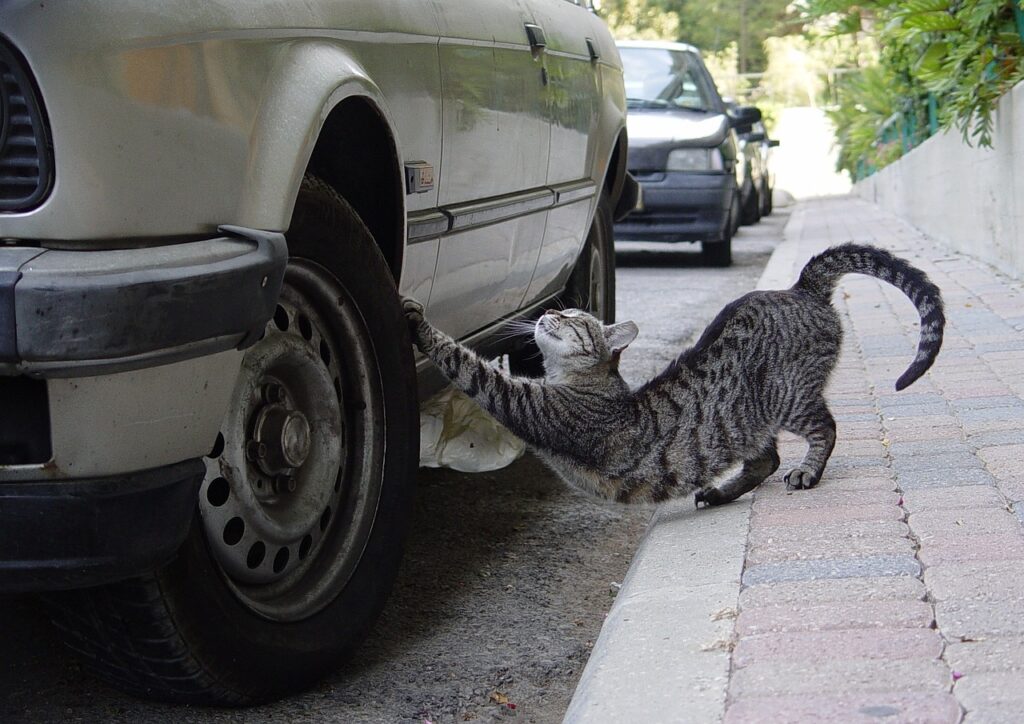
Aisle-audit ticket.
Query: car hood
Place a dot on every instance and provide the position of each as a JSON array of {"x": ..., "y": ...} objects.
[{"x": 675, "y": 128}]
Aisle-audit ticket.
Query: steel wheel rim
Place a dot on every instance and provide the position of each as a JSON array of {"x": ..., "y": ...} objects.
[{"x": 292, "y": 485}]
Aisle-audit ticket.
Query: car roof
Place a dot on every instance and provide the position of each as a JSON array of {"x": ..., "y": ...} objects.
[{"x": 657, "y": 44}]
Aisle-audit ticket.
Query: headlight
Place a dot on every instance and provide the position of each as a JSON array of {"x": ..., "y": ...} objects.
[{"x": 694, "y": 159}]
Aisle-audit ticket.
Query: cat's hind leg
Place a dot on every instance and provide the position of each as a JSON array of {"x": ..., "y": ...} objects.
[
  {"x": 816, "y": 425},
  {"x": 753, "y": 473}
]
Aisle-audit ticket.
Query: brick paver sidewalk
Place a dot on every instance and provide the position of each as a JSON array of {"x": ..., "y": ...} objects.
[{"x": 894, "y": 591}]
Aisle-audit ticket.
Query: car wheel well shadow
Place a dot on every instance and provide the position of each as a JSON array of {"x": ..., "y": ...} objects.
[{"x": 356, "y": 155}]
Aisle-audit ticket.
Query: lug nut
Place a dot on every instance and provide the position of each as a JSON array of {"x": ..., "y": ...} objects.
[
  {"x": 273, "y": 393},
  {"x": 255, "y": 450}
]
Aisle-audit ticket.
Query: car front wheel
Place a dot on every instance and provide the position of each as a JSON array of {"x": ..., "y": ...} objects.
[{"x": 301, "y": 516}]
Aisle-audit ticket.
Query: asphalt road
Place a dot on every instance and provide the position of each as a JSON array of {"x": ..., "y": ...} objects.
[{"x": 506, "y": 579}]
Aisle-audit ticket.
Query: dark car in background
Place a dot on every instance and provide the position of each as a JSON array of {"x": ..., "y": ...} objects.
[
  {"x": 757, "y": 146},
  {"x": 683, "y": 150},
  {"x": 755, "y": 149}
]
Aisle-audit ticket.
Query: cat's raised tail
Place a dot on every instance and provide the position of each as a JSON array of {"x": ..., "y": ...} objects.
[{"x": 821, "y": 273}]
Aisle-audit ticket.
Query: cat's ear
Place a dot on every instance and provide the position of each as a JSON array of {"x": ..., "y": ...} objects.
[{"x": 618, "y": 336}]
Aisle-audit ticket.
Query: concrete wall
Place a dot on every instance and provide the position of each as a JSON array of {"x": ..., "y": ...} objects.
[{"x": 971, "y": 199}]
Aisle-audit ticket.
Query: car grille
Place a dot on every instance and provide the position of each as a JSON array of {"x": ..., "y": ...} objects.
[{"x": 26, "y": 156}]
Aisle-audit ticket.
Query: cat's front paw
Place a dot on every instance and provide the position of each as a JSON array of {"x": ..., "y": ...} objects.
[
  {"x": 412, "y": 309},
  {"x": 800, "y": 478},
  {"x": 418, "y": 327}
]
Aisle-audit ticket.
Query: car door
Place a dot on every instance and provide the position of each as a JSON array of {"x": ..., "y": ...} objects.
[
  {"x": 494, "y": 164},
  {"x": 572, "y": 94}
]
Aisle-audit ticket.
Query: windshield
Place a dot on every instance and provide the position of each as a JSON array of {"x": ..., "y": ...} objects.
[{"x": 659, "y": 78}]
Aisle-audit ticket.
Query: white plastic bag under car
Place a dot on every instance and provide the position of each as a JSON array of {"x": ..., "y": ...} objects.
[{"x": 456, "y": 433}]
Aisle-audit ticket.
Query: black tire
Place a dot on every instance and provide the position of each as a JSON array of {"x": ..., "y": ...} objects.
[
  {"x": 750, "y": 212},
  {"x": 195, "y": 632},
  {"x": 591, "y": 286},
  {"x": 719, "y": 252},
  {"x": 766, "y": 201}
]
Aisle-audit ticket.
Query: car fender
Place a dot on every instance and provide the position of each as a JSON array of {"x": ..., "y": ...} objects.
[{"x": 314, "y": 77}]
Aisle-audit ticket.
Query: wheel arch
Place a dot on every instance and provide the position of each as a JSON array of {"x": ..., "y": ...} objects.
[
  {"x": 326, "y": 117},
  {"x": 356, "y": 135}
]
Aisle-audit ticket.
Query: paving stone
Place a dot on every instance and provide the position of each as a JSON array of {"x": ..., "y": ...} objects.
[
  {"x": 915, "y": 448},
  {"x": 981, "y": 403},
  {"x": 1001, "y": 454},
  {"x": 977, "y": 580},
  {"x": 841, "y": 677},
  {"x": 996, "y": 688},
  {"x": 931, "y": 434},
  {"x": 933, "y": 408},
  {"x": 904, "y": 399},
  {"x": 994, "y": 714},
  {"x": 967, "y": 496},
  {"x": 997, "y": 425},
  {"x": 885, "y": 588},
  {"x": 825, "y": 495},
  {"x": 980, "y": 619},
  {"x": 866, "y": 708},
  {"x": 995, "y": 547},
  {"x": 997, "y": 437},
  {"x": 824, "y": 516},
  {"x": 888, "y": 588},
  {"x": 1004, "y": 653},
  {"x": 866, "y": 567},
  {"x": 944, "y": 478},
  {"x": 993, "y": 413},
  {"x": 940, "y": 525},
  {"x": 813, "y": 646},
  {"x": 829, "y": 531},
  {"x": 868, "y": 448},
  {"x": 938, "y": 461},
  {"x": 1013, "y": 490},
  {"x": 967, "y": 391},
  {"x": 858, "y": 489},
  {"x": 855, "y": 416},
  {"x": 802, "y": 550},
  {"x": 855, "y": 463},
  {"x": 834, "y": 615},
  {"x": 835, "y": 473}
]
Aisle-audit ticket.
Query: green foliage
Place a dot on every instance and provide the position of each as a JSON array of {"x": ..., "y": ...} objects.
[
  {"x": 966, "y": 53},
  {"x": 711, "y": 25}
]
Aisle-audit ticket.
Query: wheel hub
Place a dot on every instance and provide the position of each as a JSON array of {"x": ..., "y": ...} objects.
[{"x": 280, "y": 441}]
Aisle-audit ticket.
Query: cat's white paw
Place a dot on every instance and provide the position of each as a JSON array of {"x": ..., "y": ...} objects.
[
  {"x": 413, "y": 310},
  {"x": 800, "y": 478}
]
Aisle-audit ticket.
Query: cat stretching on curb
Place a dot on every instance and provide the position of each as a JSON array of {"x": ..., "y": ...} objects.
[{"x": 760, "y": 367}]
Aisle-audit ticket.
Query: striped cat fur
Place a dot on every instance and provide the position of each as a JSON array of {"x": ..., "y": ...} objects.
[{"x": 760, "y": 367}]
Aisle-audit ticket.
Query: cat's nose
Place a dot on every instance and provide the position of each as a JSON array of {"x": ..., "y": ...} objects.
[{"x": 552, "y": 312}]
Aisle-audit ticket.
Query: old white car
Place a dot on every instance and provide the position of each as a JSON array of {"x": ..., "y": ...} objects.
[{"x": 208, "y": 213}]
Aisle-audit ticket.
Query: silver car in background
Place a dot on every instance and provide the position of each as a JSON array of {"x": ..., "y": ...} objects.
[{"x": 208, "y": 213}]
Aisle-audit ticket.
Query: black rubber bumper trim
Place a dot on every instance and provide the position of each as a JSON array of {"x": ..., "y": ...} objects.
[
  {"x": 73, "y": 533},
  {"x": 82, "y": 312}
]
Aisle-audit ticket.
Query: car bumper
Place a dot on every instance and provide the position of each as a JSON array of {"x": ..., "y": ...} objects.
[
  {"x": 73, "y": 313},
  {"x": 116, "y": 370},
  {"x": 73, "y": 533},
  {"x": 679, "y": 206}
]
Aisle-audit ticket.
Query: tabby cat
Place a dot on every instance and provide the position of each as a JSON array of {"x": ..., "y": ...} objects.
[{"x": 760, "y": 367}]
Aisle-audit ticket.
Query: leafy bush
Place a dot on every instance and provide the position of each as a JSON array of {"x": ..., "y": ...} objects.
[{"x": 966, "y": 53}]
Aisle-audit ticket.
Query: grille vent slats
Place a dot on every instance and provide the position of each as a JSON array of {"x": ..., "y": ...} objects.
[{"x": 26, "y": 158}]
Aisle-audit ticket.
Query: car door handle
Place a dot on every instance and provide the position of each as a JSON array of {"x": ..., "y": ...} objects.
[
  {"x": 535, "y": 34},
  {"x": 595, "y": 54}
]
